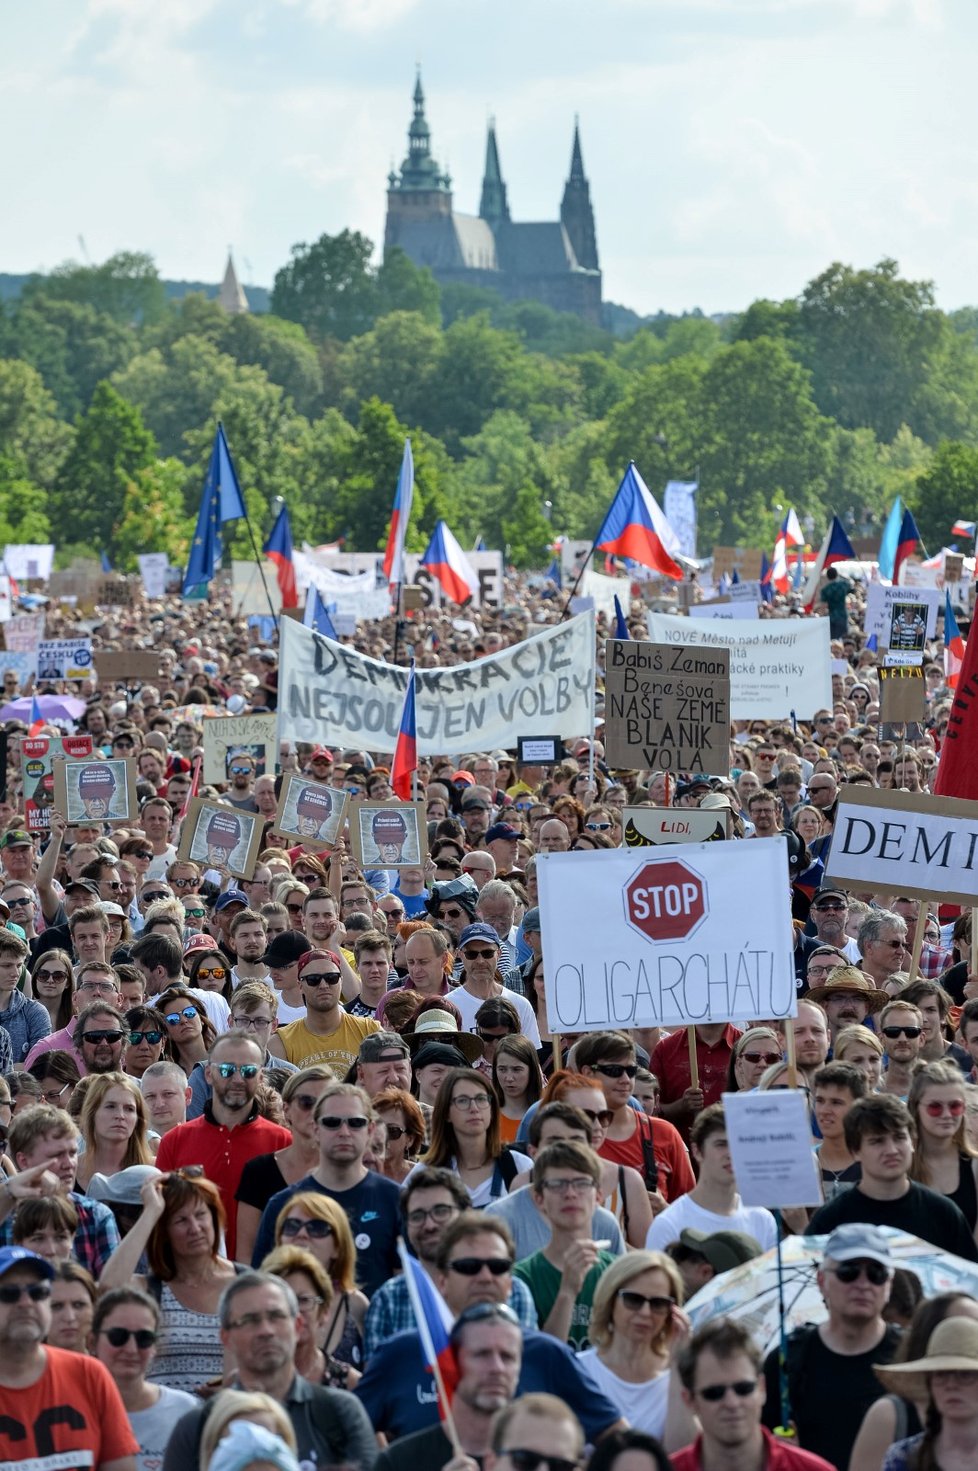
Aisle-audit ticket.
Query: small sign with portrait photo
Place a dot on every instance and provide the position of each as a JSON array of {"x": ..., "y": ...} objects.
[
  {"x": 311, "y": 811},
  {"x": 96, "y": 791},
  {"x": 217, "y": 836},
  {"x": 388, "y": 834}
]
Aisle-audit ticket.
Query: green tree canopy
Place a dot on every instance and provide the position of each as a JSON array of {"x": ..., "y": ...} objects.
[{"x": 112, "y": 444}]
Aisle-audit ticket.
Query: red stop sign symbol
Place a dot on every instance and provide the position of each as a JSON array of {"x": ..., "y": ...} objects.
[{"x": 665, "y": 901}]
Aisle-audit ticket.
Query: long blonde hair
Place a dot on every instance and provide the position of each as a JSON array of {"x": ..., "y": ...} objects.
[
  {"x": 138, "y": 1151},
  {"x": 234, "y": 1404},
  {"x": 936, "y": 1075}
]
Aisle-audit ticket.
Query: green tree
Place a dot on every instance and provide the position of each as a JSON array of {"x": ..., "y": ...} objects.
[
  {"x": 176, "y": 391},
  {"x": 526, "y": 531},
  {"x": 397, "y": 361},
  {"x": 152, "y": 516},
  {"x": 33, "y": 440},
  {"x": 946, "y": 490},
  {"x": 23, "y": 506},
  {"x": 404, "y": 287},
  {"x": 480, "y": 371},
  {"x": 127, "y": 286},
  {"x": 71, "y": 344},
  {"x": 361, "y": 508},
  {"x": 328, "y": 287},
  {"x": 112, "y": 444},
  {"x": 283, "y": 350}
]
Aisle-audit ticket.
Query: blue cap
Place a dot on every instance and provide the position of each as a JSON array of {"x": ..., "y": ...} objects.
[
  {"x": 478, "y": 931},
  {"x": 230, "y": 896},
  {"x": 15, "y": 1256}
]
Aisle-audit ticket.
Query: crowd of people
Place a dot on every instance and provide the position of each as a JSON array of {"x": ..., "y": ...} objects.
[{"x": 230, "y": 1104}]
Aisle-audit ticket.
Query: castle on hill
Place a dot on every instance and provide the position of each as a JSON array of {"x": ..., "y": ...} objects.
[{"x": 555, "y": 262}]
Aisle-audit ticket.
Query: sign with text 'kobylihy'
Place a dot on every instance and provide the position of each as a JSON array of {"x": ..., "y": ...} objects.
[
  {"x": 906, "y": 843},
  {"x": 332, "y": 695},
  {"x": 667, "y": 938},
  {"x": 777, "y": 665},
  {"x": 666, "y": 708}
]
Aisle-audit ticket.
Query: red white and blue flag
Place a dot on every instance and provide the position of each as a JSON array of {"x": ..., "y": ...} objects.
[
  {"x": 447, "y": 562},
  {"x": 789, "y": 535},
  {"x": 953, "y": 646},
  {"x": 400, "y": 516},
  {"x": 835, "y": 548},
  {"x": 964, "y": 528},
  {"x": 37, "y": 719},
  {"x": 405, "y": 762},
  {"x": 636, "y": 527},
  {"x": 434, "y": 1321},
  {"x": 278, "y": 549},
  {"x": 907, "y": 543}
]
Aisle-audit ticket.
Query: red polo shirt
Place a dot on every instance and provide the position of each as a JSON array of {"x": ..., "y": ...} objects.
[
  {"x": 779, "y": 1455},
  {"x": 223, "y": 1152},
  {"x": 670, "y": 1063}
]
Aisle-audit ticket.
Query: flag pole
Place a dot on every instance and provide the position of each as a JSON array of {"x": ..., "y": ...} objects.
[
  {"x": 261, "y": 566},
  {"x": 581, "y": 571}
]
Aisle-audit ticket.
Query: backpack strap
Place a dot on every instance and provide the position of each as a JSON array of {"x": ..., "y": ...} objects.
[{"x": 650, "y": 1165}]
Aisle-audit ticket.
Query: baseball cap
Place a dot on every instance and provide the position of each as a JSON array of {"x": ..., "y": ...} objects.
[
  {"x": 474, "y": 800},
  {"x": 230, "y": 896},
  {"x": 531, "y": 921},
  {"x": 286, "y": 948},
  {"x": 17, "y": 838},
  {"x": 857, "y": 1242},
  {"x": 15, "y": 1256},
  {"x": 312, "y": 954},
  {"x": 504, "y": 831},
  {"x": 463, "y": 778},
  {"x": 87, "y": 884},
  {"x": 122, "y": 1188},
  {"x": 196, "y": 943},
  {"x": 829, "y": 890},
  {"x": 321, "y": 754},
  {"x": 722, "y": 1249},
  {"x": 478, "y": 931},
  {"x": 107, "y": 907},
  {"x": 373, "y": 1047}
]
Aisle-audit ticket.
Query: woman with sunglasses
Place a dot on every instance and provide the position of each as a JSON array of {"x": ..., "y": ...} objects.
[
  {"x": 517, "y": 1080},
  {"x": 465, "y": 1137},
  {"x": 113, "y": 1126},
  {"x": 209, "y": 971},
  {"x": 637, "y": 1328},
  {"x": 756, "y": 1050},
  {"x": 405, "y": 1132},
  {"x": 149, "y": 1040},
  {"x": 191, "y": 1033},
  {"x": 57, "y": 1077},
  {"x": 50, "y": 984},
  {"x": 943, "y": 1158},
  {"x": 124, "y": 1335},
  {"x": 319, "y": 1224},
  {"x": 267, "y": 1174}
]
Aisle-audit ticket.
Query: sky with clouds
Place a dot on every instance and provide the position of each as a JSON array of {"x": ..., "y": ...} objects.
[{"x": 734, "y": 147}]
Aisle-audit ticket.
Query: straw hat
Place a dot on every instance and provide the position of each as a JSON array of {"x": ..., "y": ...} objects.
[
  {"x": 441, "y": 1026},
  {"x": 952, "y": 1345},
  {"x": 847, "y": 979}
]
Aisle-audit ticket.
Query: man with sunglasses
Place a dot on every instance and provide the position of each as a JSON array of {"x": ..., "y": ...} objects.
[
  {"x": 902, "y": 1033},
  {"x": 882, "y": 945},
  {"x": 451, "y": 904},
  {"x": 327, "y": 1033},
  {"x": 652, "y": 1146},
  {"x": 60, "y": 1408},
  {"x": 722, "y": 1384},
  {"x": 713, "y": 1203},
  {"x": 95, "y": 980},
  {"x": 879, "y": 1134},
  {"x": 230, "y": 1131},
  {"x": 479, "y": 951},
  {"x": 829, "y": 916}
]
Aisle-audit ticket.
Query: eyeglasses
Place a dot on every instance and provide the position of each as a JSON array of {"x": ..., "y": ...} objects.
[
  {"x": 481, "y": 954},
  {"x": 208, "y": 972},
  {"x": 635, "y": 1301},
  {"x": 616, "y": 1069},
  {"x": 248, "y": 1070},
  {"x": 255, "y": 1024},
  {"x": 114, "y": 1034},
  {"x": 437, "y": 1213},
  {"x": 330, "y": 977},
  {"x": 893, "y": 944},
  {"x": 955, "y": 1108},
  {"x": 194, "y": 914},
  {"x": 597, "y": 827},
  {"x": 829, "y": 904},
  {"x": 849, "y": 1272},
  {"x": 11, "y": 1292},
  {"x": 316, "y": 1230},
  {"x": 19, "y": 903},
  {"x": 393, "y": 913},
  {"x": 55, "y": 1095},
  {"x": 294, "y": 908},
  {"x": 767, "y": 1058},
  {"x": 119, "y": 1337},
  {"x": 893, "y": 1032},
  {"x": 454, "y": 913},
  {"x": 240, "y": 770},
  {"x": 332, "y": 1122},
  {"x": 394, "y": 1131},
  {"x": 104, "y": 987},
  {"x": 186, "y": 1015},
  {"x": 471, "y": 1266},
  {"x": 493, "y": 1036},
  {"x": 123, "y": 741},
  {"x": 742, "y": 1388},
  {"x": 578, "y": 1186},
  {"x": 152, "y": 898},
  {"x": 526, "y": 1460},
  {"x": 468, "y": 1101},
  {"x": 112, "y": 888},
  {"x": 51, "y": 975},
  {"x": 145, "y": 854},
  {"x": 152, "y": 1037},
  {"x": 602, "y": 1116},
  {"x": 275, "y": 1316}
]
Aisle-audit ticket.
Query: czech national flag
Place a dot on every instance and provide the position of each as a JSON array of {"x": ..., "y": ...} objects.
[
  {"x": 317, "y": 613},
  {"x": 434, "y": 1325},
  {"x": 37, "y": 719},
  {"x": 835, "y": 548},
  {"x": 964, "y": 528},
  {"x": 446, "y": 561},
  {"x": 767, "y": 591},
  {"x": 278, "y": 548},
  {"x": 908, "y": 543},
  {"x": 621, "y": 627},
  {"x": 789, "y": 535},
  {"x": 953, "y": 645},
  {"x": 405, "y": 762},
  {"x": 400, "y": 516},
  {"x": 636, "y": 527}
]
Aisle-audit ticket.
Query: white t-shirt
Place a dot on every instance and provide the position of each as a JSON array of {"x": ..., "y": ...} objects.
[
  {"x": 153, "y": 1427},
  {"x": 468, "y": 1005},
  {"x": 684, "y": 1214},
  {"x": 642, "y": 1405},
  {"x": 287, "y": 1013}
]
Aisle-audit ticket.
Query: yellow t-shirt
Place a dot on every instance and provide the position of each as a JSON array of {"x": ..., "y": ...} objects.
[{"x": 339, "y": 1050}]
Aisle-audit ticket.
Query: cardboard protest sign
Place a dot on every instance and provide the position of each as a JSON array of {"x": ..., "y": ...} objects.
[
  {"x": 388, "y": 834},
  {"x": 745, "y": 561},
  {"x": 881, "y": 601},
  {"x": 117, "y": 592},
  {"x": 250, "y": 594},
  {"x": 666, "y": 708},
  {"x": 776, "y": 665},
  {"x": 64, "y": 658},
  {"x": 37, "y": 757},
  {"x": 96, "y": 791},
  {"x": 539, "y": 750},
  {"x": 903, "y": 694},
  {"x": 332, "y": 695},
  {"x": 748, "y": 593},
  {"x": 665, "y": 938},
  {"x": 311, "y": 812},
  {"x": 770, "y": 1139},
  {"x": 651, "y": 827},
  {"x": 896, "y": 842},
  {"x": 218, "y": 836},
  {"x": 227, "y": 734},
  {"x": 906, "y": 634},
  {"x": 24, "y": 632},
  {"x": 131, "y": 666}
]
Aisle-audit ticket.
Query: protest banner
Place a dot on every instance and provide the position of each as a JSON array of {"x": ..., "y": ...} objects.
[
  {"x": 37, "y": 757},
  {"x": 17, "y": 662},
  {"x": 603, "y": 591},
  {"x": 652, "y": 827},
  {"x": 348, "y": 594},
  {"x": 332, "y": 695},
  {"x": 903, "y": 694},
  {"x": 249, "y": 592},
  {"x": 219, "y": 837},
  {"x": 896, "y": 842},
  {"x": 488, "y": 569},
  {"x": 666, "y": 708},
  {"x": 130, "y": 666},
  {"x": 682, "y": 938},
  {"x": 96, "y": 791},
  {"x": 153, "y": 567},
  {"x": 6, "y": 599},
  {"x": 776, "y": 666},
  {"x": 721, "y": 608},
  {"x": 24, "y": 632},
  {"x": 770, "y": 1140},
  {"x": 745, "y": 561},
  {"x": 310, "y": 811},
  {"x": 226, "y": 734},
  {"x": 388, "y": 834},
  {"x": 28, "y": 561},
  {"x": 880, "y": 602},
  {"x": 64, "y": 658}
]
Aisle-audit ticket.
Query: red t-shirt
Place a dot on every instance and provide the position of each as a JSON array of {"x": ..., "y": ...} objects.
[
  {"x": 670, "y": 1063},
  {"x": 672, "y": 1161},
  {"x": 71, "y": 1419},
  {"x": 779, "y": 1455}
]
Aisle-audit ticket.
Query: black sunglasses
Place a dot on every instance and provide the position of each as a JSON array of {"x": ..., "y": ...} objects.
[
  {"x": 330, "y": 977},
  {"x": 616, "y": 1069},
  {"x": 115, "y": 1035},
  {"x": 151, "y": 1037},
  {"x": 851, "y": 1272},
  {"x": 119, "y": 1337},
  {"x": 527, "y": 1460},
  {"x": 742, "y": 1388},
  {"x": 471, "y": 1266},
  {"x": 315, "y": 1230}
]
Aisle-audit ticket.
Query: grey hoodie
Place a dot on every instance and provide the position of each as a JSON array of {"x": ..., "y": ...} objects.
[{"x": 26, "y": 1022}]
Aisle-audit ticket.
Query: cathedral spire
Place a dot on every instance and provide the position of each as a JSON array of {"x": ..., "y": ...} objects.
[
  {"x": 576, "y": 214},
  {"x": 493, "y": 206},
  {"x": 419, "y": 171},
  {"x": 230, "y": 295},
  {"x": 577, "y": 162}
]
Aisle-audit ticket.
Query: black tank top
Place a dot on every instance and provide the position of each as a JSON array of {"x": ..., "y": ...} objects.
[{"x": 966, "y": 1196}]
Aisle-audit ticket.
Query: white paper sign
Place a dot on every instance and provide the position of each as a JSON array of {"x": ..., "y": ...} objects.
[
  {"x": 666, "y": 937},
  {"x": 6, "y": 599},
  {"x": 770, "y": 1139},
  {"x": 64, "y": 658},
  {"x": 29, "y": 561},
  {"x": 745, "y": 592},
  {"x": 153, "y": 567},
  {"x": 906, "y": 843},
  {"x": 330, "y": 694},
  {"x": 727, "y": 611},
  {"x": 880, "y": 601},
  {"x": 251, "y": 595},
  {"x": 776, "y": 665}
]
